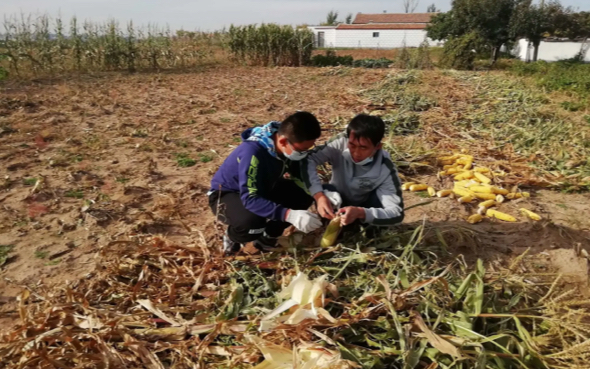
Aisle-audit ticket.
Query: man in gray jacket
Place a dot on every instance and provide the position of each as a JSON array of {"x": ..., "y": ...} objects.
[{"x": 364, "y": 179}]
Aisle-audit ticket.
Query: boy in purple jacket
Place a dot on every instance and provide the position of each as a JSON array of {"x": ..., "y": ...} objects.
[{"x": 249, "y": 192}]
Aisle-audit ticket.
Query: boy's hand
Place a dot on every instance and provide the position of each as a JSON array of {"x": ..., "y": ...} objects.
[
  {"x": 324, "y": 205},
  {"x": 351, "y": 213}
]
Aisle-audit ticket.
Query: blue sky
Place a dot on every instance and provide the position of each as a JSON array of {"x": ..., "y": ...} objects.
[{"x": 215, "y": 14}]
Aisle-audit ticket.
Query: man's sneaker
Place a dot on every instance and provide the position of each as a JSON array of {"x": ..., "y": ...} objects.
[
  {"x": 230, "y": 247},
  {"x": 266, "y": 243}
]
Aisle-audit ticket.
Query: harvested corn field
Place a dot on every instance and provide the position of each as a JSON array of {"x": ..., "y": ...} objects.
[{"x": 111, "y": 257}]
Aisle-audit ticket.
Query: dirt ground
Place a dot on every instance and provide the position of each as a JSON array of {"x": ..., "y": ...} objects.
[{"x": 89, "y": 162}]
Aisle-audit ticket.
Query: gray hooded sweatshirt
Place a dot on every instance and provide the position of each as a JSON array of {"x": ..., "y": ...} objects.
[{"x": 355, "y": 182}]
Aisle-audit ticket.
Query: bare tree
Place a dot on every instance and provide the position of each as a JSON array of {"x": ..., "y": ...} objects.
[
  {"x": 431, "y": 9},
  {"x": 411, "y": 5}
]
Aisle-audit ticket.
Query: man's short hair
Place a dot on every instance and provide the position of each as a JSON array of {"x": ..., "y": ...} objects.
[
  {"x": 300, "y": 127},
  {"x": 367, "y": 126}
]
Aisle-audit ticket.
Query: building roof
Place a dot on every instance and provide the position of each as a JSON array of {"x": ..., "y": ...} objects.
[
  {"x": 393, "y": 18},
  {"x": 383, "y": 26}
]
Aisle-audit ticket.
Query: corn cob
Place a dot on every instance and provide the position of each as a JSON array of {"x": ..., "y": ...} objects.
[
  {"x": 453, "y": 170},
  {"x": 446, "y": 158},
  {"x": 498, "y": 215},
  {"x": 499, "y": 199},
  {"x": 500, "y": 191},
  {"x": 519, "y": 195},
  {"x": 431, "y": 191},
  {"x": 331, "y": 233},
  {"x": 406, "y": 186},
  {"x": 485, "y": 196},
  {"x": 481, "y": 189},
  {"x": 462, "y": 192},
  {"x": 418, "y": 187},
  {"x": 481, "y": 170},
  {"x": 475, "y": 218},
  {"x": 482, "y": 178},
  {"x": 483, "y": 206},
  {"x": 444, "y": 193},
  {"x": 464, "y": 175},
  {"x": 466, "y": 199},
  {"x": 530, "y": 214}
]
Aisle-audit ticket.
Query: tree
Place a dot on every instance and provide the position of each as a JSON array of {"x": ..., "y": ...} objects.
[
  {"x": 410, "y": 5},
  {"x": 331, "y": 19},
  {"x": 533, "y": 21},
  {"x": 490, "y": 20},
  {"x": 349, "y": 18},
  {"x": 432, "y": 9}
]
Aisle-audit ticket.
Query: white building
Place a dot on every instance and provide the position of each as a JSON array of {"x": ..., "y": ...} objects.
[
  {"x": 386, "y": 31},
  {"x": 552, "y": 50}
]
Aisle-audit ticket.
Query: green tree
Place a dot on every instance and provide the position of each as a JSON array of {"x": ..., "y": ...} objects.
[
  {"x": 331, "y": 19},
  {"x": 535, "y": 21},
  {"x": 349, "y": 18},
  {"x": 488, "y": 20}
]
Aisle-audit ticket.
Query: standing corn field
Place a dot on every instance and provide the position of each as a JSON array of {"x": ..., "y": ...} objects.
[
  {"x": 42, "y": 45},
  {"x": 271, "y": 44}
]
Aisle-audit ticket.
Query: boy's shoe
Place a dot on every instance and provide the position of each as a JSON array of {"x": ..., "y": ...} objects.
[
  {"x": 266, "y": 243},
  {"x": 230, "y": 247}
]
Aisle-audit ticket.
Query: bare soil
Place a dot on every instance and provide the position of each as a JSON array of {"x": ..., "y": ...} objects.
[{"x": 88, "y": 162}]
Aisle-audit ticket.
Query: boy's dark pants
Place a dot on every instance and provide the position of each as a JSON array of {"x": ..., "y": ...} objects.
[{"x": 245, "y": 226}]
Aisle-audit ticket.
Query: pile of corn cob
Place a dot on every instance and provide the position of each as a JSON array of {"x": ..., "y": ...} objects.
[{"x": 474, "y": 183}]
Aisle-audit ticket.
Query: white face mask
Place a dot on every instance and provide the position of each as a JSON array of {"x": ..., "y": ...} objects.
[
  {"x": 363, "y": 162},
  {"x": 295, "y": 155}
]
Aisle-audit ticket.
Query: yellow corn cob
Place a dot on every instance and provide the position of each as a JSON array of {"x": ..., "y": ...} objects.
[
  {"x": 485, "y": 196},
  {"x": 464, "y": 175},
  {"x": 442, "y": 173},
  {"x": 331, "y": 233},
  {"x": 466, "y": 183},
  {"x": 481, "y": 170},
  {"x": 452, "y": 157},
  {"x": 444, "y": 193},
  {"x": 481, "y": 189},
  {"x": 418, "y": 187},
  {"x": 475, "y": 218},
  {"x": 526, "y": 194},
  {"x": 447, "y": 167},
  {"x": 487, "y": 204},
  {"x": 466, "y": 199},
  {"x": 406, "y": 186},
  {"x": 453, "y": 170},
  {"x": 530, "y": 214},
  {"x": 500, "y": 191},
  {"x": 498, "y": 215},
  {"x": 482, "y": 178},
  {"x": 462, "y": 192},
  {"x": 483, "y": 206},
  {"x": 467, "y": 162},
  {"x": 499, "y": 199},
  {"x": 431, "y": 191}
]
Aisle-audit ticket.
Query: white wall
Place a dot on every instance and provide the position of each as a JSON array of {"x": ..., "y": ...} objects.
[
  {"x": 388, "y": 39},
  {"x": 550, "y": 51},
  {"x": 329, "y": 35}
]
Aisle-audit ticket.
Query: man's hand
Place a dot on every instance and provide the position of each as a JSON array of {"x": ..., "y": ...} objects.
[
  {"x": 303, "y": 220},
  {"x": 324, "y": 205},
  {"x": 351, "y": 213}
]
